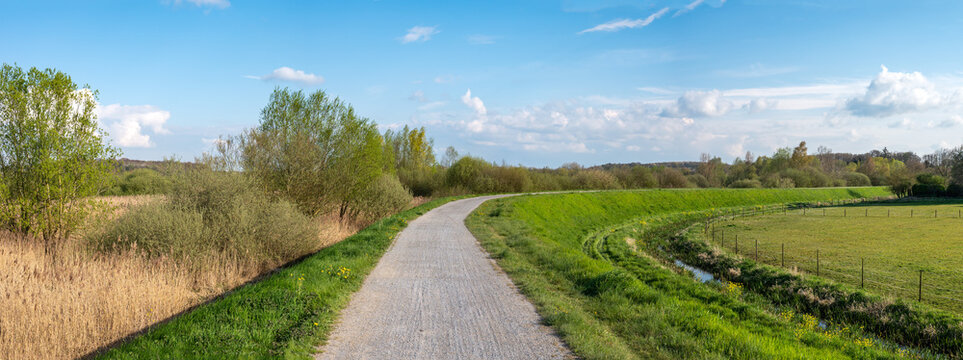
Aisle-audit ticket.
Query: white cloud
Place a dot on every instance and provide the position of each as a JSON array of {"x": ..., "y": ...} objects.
[
  {"x": 431, "y": 105},
  {"x": 617, "y": 25},
  {"x": 285, "y": 73},
  {"x": 688, "y": 8},
  {"x": 892, "y": 93},
  {"x": 656, "y": 90},
  {"x": 758, "y": 105},
  {"x": 419, "y": 33},
  {"x": 699, "y": 104},
  {"x": 220, "y": 4},
  {"x": 481, "y": 39},
  {"x": 904, "y": 123},
  {"x": 475, "y": 103},
  {"x": 128, "y": 122}
]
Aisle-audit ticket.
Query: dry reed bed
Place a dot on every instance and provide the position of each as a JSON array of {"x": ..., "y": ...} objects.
[{"x": 65, "y": 302}]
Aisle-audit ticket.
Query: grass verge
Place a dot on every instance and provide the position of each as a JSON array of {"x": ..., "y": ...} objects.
[
  {"x": 607, "y": 302},
  {"x": 287, "y": 314}
]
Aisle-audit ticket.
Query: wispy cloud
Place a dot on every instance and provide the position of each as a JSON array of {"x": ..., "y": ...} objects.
[
  {"x": 419, "y": 34},
  {"x": 285, "y": 73},
  {"x": 220, "y": 4},
  {"x": 755, "y": 71},
  {"x": 481, "y": 39},
  {"x": 688, "y": 8},
  {"x": 617, "y": 25}
]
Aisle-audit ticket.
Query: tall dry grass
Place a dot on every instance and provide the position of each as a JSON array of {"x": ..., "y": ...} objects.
[{"x": 66, "y": 301}]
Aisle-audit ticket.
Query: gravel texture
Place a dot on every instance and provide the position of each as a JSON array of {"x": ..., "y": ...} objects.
[{"x": 437, "y": 295}]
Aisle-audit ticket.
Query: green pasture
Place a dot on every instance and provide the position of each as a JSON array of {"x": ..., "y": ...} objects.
[{"x": 883, "y": 247}]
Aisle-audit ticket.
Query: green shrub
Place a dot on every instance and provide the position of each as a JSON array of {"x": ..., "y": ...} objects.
[
  {"x": 383, "y": 196},
  {"x": 210, "y": 212},
  {"x": 596, "y": 180},
  {"x": 699, "y": 180},
  {"x": 857, "y": 179},
  {"x": 140, "y": 182},
  {"x": 745, "y": 184},
  {"x": 671, "y": 178}
]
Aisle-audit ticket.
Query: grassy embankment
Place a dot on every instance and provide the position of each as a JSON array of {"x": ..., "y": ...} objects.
[
  {"x": 894, "y": 240},
  {"x": 283, "y": 315},
  {"x": 607, "y": 302}
]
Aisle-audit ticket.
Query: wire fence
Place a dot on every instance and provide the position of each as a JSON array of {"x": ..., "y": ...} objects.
[{"x": 907, "y": 281}]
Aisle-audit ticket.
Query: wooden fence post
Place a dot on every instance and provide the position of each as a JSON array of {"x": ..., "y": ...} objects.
[
  {"x": 756, "y": 254},
  {"x": 783, "y": 256},
  {"x": 862, "y": 273}
]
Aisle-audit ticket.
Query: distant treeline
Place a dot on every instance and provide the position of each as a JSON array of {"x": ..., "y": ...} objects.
[{"x": 937, "y": 174}]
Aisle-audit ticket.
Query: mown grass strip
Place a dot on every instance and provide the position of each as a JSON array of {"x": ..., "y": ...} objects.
[
  {"x": 613, "y": 305},
  {"x": 285, "y": 315}
]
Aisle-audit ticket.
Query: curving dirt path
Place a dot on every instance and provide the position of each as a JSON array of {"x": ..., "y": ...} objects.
[{"x": 437, "y": 295}]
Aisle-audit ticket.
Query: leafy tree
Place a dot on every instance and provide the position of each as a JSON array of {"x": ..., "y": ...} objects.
[
  {"x": 314, "y": 150},
  {"x": 52, "y": 152},
  {"x": 799, "y": 158},
  {"x": 414, "y": 159}
]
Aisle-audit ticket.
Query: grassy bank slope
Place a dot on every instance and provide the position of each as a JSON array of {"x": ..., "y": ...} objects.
[
  {"x": 284, "y": 315},
  {"x": 609, "y": 303}
]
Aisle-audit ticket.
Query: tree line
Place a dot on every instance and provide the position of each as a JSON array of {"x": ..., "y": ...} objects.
[{"x": 317, "y": 153}]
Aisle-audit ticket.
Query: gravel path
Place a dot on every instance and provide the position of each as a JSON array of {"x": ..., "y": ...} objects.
[{"x": 437, "y": 295}]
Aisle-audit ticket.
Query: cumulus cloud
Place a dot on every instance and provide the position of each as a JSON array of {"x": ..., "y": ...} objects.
[
  {"x": 127, "y": 123},
  {"x": 616, "y": 25},
  {"x": 285, "y": 73},
  {"x": 892, "y": 93},
  {"x": 759, "y": 105},
  {"x": 694, "y": 104},
  {"x": 419, "y": 34},
  {"x": 474, "y": 103}
]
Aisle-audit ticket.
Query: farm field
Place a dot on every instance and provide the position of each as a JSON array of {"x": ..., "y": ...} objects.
[
  {"x": 606, "y": 301},
  {"x": 892, "y": 242}
]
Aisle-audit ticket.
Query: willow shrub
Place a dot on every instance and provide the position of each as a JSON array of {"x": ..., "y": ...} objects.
[{"x": 209, "y": 212}]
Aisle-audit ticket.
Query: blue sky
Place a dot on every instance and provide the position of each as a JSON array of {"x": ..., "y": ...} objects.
[{"x": 538, "y": 83}]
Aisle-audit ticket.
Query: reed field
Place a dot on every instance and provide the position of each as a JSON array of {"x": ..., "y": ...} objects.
[{"x": 67, "y": 301}]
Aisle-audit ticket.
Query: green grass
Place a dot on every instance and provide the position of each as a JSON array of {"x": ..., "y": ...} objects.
[
  {"x": 893, "y": 245},
  {"x": 285, "y": 315},
  {"x": 565, "y": 254}
]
